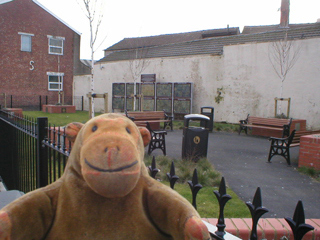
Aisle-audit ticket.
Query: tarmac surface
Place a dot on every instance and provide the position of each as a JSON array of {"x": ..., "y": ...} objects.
[{"x": 242, "y": 160}]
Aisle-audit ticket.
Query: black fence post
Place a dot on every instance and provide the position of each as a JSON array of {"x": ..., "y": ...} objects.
[
  {"x": 82, "y": 103},
  {"x": 11, "y": 101},
  {"x": 42, "y": 154}
]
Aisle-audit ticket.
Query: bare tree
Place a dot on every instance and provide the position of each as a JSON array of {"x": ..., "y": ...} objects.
[
  {"x": 137, "y": 63},
  {"x": 283, "y": 55},
  {"x": 93, "y": 10}
]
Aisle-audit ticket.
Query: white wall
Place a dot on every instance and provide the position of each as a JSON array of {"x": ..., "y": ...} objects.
[{"x": 244, "y": 74}]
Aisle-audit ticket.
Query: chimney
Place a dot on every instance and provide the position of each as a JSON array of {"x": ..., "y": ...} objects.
[{"x": 285, "y": 9}]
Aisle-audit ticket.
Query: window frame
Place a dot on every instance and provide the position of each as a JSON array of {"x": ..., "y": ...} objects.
[
  {"x": 51, "y": 46},
  {"x": 59, "y": 83},
  {"x": 23, "y": 47}
]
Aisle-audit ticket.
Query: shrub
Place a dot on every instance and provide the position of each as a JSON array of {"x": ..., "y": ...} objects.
[{"x": 184, "y": 169}]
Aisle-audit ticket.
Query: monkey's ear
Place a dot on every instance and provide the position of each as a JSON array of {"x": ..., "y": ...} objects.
[
  {"x": 72, "y": 130},
  {"x": 146, "y": 136}
]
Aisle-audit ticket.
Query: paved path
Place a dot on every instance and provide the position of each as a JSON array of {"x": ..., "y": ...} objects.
[{"x": 242, "y": 160}]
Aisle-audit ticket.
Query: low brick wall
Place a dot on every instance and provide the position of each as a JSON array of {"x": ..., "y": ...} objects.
[
  {"x": 14, "y": 111},
  {"x": 309, "y": 153},
  {"x": 268, "y": 228},
  {"x": 59, "y": 108}
]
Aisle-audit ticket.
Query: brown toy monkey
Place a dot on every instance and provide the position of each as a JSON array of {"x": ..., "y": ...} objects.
[{"x": 104, "y": 193}]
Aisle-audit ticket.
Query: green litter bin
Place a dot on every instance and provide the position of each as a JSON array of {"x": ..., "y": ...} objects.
[
  {"x": 209, "y": 112},
  {"x": 195, "y": 139}
]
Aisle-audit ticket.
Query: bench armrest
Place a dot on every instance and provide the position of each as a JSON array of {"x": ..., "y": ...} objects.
[
  {"x": 289, "y": 138},
  {"x": 277, "y": 138},
  {"x": 131, "y": 118},
  {"x": 167, "y": 117},
  {"x": 243, "y": 121},
  {"x": 159, "y": 132}
]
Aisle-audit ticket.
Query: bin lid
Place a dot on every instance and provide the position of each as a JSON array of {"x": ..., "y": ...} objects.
[
  {"x": 208, "y": 107},
  {"x": 197, "y": 117}
]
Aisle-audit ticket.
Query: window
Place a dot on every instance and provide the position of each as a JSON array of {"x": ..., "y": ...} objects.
[
  {"x": 56, "y": 45},
  {"x": 55, "y": 81},
  {"x": 26, "y": 41}
]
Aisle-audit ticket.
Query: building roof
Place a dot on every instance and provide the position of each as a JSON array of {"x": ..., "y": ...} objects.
[
  {"x": 269, "y": 28},
  {"x": 213, "y": 46},
  {"x": 5, "y": 1},
  {"x": 47, "y": 10},
  {"x": 150, "y": 41},
  {"x": 87, "y": 62},
  {"x": 39, "y": 4}
]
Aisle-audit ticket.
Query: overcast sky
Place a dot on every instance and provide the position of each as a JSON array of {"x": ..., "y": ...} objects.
[{"x": 137, "y": 18}]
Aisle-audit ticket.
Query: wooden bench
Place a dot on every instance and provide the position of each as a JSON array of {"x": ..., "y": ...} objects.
[
  {"x": 281, "y": 146},
  {"x": 153, "y": 117},
  {"x": 271, "y": 124}
]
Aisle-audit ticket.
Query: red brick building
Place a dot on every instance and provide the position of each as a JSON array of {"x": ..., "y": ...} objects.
[{"x": 39, "y": 55}]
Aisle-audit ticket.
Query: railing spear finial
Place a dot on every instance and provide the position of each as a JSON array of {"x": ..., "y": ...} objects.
[
  {"x": 297, "y": 224},
  {"x": 256, "y": 211},
  {"x": 195, "y": 186},
  {"x": 172, "y": 176},
  {"x": 153, "y": 169},
  {"x": 223, "y": 198}
]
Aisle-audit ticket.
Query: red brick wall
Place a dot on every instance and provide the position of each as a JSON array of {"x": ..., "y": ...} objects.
[
  {"x": 309, "y": 153},
  {"x": 268, "y": 228},
  {"x": 16, "y": 78}
]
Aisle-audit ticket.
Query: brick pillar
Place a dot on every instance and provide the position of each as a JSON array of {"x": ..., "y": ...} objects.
[{"x": 309, "y": 154}]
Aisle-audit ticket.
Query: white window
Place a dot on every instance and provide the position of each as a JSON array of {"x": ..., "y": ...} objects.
[
  {"x": 56, "y": 45},
  {"x": 55, "y": 81},
  {"x": 26, "y": 41}
]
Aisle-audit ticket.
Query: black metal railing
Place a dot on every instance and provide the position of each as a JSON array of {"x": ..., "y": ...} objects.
[
  {"x": 297, "y": 223},
  {"x": 33, "y": 102},
  {"x": 34, "y": 153}
]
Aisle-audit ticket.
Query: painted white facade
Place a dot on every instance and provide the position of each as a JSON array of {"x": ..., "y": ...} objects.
[{"x": 243, "y": 74}]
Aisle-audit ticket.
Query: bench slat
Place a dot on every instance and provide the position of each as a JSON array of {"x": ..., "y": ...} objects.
[
  {"x": 275, "y": 122},
  {"x": 262, "y": 126},
  {"x": 141, "y": 118}
]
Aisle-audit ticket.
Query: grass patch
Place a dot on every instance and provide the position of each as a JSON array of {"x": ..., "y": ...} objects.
[
  {"x": 310, "y": 171},
  {"x": 209, "y": 178},
  {"x": 60, "y": 119},
  {"x": 217, "y": 126},
  {"x": 207, "y": 203},
  {"x": 226, "y": 127}
]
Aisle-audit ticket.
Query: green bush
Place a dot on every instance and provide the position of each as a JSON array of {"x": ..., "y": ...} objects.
[
  {"x": 184, "y": 169},
  {"x": 218, "y": 126}
]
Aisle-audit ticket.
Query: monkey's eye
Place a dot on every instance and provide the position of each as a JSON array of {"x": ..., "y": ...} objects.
[
  {"x": 128, "y": 130},
  {"x": 94, "y": 128}
]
